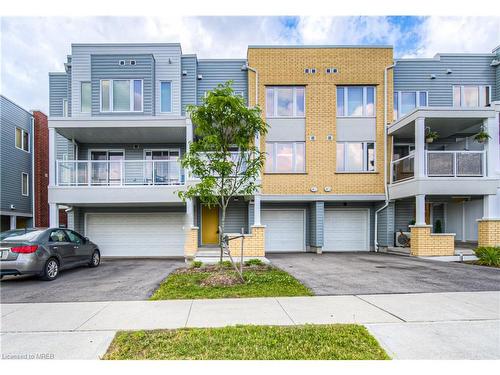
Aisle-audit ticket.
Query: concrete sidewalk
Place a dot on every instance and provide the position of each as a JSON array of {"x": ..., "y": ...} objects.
[{"x": 407, "y": 325}]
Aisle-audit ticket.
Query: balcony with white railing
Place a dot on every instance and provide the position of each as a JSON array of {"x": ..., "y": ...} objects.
[{"x": 117, "y": 182}]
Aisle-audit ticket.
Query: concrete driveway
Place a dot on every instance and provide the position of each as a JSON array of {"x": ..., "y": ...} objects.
[
  {"x": 113, "y": 280},
  {"x": 379, "y": 273}
]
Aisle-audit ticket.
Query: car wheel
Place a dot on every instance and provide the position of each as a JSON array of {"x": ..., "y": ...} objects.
[
  {"x": 51, "y": 270},
  {"x": 96, "y": 259}
]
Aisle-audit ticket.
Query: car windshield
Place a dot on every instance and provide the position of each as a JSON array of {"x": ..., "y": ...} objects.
[{"x": 20, "y": 235}]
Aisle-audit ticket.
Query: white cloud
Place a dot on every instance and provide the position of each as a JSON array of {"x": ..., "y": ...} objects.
[{"x": 457, "y": 34}]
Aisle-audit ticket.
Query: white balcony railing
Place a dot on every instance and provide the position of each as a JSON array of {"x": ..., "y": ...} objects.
[
  {"x": 441, "y": 164},
  {"x": 455, "y": 163},
  {"x": 118, "y": 172}
]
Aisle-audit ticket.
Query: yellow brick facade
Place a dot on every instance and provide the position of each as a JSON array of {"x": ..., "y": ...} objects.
[
  {"x": 357, "y": 66},
  {"x": 253, "y": 244},
  {"x": 425, "y": 243},
  {"x": 191, "y": 243},
  {"x": 489, "y": 232}
]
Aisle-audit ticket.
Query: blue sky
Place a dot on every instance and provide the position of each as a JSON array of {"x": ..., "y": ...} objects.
[{"x": 32, "y": 47}]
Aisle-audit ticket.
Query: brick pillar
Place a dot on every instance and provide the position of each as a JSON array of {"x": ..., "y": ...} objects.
[
  {"x": 41, "y": 169},
  {"x": 488, "y": 232},
  {"x": 425, "y": 243},
  {"x": 191, "y": 244}
]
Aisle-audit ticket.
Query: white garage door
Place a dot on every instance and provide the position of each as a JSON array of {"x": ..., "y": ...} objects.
[
  {"x": 346, "y": 230},
  {"x": 285, "y": 230},
  {"x": 144, "y": 234}
]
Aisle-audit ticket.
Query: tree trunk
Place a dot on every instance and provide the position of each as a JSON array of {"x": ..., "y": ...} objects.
[{"x": 221, "y": 234}]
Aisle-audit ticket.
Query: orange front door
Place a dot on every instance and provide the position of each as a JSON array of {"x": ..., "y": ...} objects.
[{"x": 209, "y": 225}]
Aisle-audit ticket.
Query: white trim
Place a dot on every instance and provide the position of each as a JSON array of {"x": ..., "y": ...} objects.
[
  {"x": 417, "y": 101},
  {"x": 27, "y": 184},
  {"x": 171, "y": 96},
  {"x": 131, "y": 95},
  {"x": 365, "y": 158},
  {"x": 294, "y": 157},
  {"x": 480, "y": 100}
]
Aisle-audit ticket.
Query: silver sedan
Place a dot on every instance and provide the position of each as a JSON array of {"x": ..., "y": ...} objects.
[{"x": 45, "y": 252}]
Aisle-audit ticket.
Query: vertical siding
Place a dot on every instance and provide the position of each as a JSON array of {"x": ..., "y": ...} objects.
[
  {"x": 414, "y": 74},
  {"x": 188, "y": 92},
  {"x": 385, "y": 234},
  {"x": 167, "y": 59},
  {"x": 58, "y": 90},
  {"x": 317, "y": 218},
  {"x": 13, "y": 161},
  {"x": 107, "y": 67},
  {"x": 216, "y": 72}
]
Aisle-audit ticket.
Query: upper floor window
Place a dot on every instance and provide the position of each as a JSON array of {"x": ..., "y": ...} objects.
[
  {"x": 285, "y": 157},
  {"x": 121, "y": 95},
  {"x": 471, "y": 96},
  {"x": 166, "y": 96},
  {"x": 85, "y": 97},
  {"x": 285, "y": 101},
  {"x": 406, "y": 101},
  {"x": 24, "y": 184},
  {"x": 22, "y": 139},
  {"x": 355, "y": 156},
  {"x": 355, "y": 101}
]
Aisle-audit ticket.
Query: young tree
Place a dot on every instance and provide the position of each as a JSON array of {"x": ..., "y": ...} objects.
[{"x": 223, "y": 155}]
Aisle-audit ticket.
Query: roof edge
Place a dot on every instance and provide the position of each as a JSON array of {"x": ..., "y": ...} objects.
[{"x": 314, "y": 46}]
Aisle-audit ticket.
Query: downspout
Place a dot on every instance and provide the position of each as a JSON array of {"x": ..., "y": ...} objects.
[
  {"x": 386, "y": 191},
  {"x": 33, "y": 169}
]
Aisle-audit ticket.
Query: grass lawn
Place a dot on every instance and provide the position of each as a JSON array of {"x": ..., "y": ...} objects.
[
  {"x": 262, "y": 281},
  {"x": 317, "y": 342}
]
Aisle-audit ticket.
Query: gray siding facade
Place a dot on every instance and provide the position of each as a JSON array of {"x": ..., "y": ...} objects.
[
  {"x": 215, "y": 72},
  {"x": 58, "y": 91},
  {"x": 14, "y": 161},
  {"x": 107, "y": 67},
  {"x": 188, "y": 81},
  {"x": 317, "y": 218},
  {"x": 466, "y": 69},
  {"x": 385, "y": 233}
]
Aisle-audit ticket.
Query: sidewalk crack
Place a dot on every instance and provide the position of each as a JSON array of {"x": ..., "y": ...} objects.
[
  {"x": 189, "y": 313},
  {"x": 94, "y": 314},
  {"x": 286, "y": 312},
  {"x": 380, "y": 308}
]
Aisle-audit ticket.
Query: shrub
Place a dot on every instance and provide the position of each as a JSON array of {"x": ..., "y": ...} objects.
[
  {"x": 438, "y": 228},
  {"x": 254, "y": 262},
  {"x": 225, "y": 264},
  {"x": 197, "y": 264},
  {"x": 488, "y": 256}
]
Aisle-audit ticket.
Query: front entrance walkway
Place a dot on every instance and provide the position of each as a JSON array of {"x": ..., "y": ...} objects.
[
  {"x": 377, "y": 273},
  {"x": 430, "y": 326}
]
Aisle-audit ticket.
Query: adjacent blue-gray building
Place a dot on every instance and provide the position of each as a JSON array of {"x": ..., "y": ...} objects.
[{"x": 16, "y": 165}]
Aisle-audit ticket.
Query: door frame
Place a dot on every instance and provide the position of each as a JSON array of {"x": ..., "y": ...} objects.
[
  {"x": 201, "y": 222},
  {"x": 368, "y": 227},
  {"x": 304, "y": 216}
]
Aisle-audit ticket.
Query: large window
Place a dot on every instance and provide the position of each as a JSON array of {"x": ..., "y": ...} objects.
[
  {"x": 22, "y": 139},
  {"x": 285, "y": 101},
  {"x": 121, "y": 95},
  {"x": 285, "y": 157},
  {"x": 24, "y": 184},
  {"x": 355, "y": 101},
  {"x": 355, "y": 156},
  {"x": 471, "y": 96},
  {"x": 86, "y": 95},
  {"x": 406, "y": 101},
  {"x": 166, "y": 96}
]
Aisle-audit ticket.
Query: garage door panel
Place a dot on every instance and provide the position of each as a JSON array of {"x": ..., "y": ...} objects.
[
  {"x": 152, "y": 234},
  {"x": 346, "y": 230},
  {"x": 285, "y": 230}
]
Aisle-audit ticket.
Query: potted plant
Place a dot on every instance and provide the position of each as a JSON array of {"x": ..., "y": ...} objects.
[
  {"x": 431, "y": 136},
  {"x": 482, "y": 136},
  {"x": 438, "y": 227}
]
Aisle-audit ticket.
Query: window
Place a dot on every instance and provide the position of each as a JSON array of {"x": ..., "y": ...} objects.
[
  {"x": 285, "y": 157},
  {"x": 285, "y": 101},
  {"x": 22, "y": 140},
  {"x": 24, "y": 184},
  {"x": 355, "y": 156},
  {"x": 166, "y": 96},
  {"x": 74, "y": 237},
  {"x": 58, "y": 235},
  {"x": 121, "y": 95},
  {"x": 471, "y": 96},
  {"x": 65, "y": 111},
  {"x": 407, "y": 101},
  {"x": 356, "y": 101},
  {"x": 85, "y": 98}
]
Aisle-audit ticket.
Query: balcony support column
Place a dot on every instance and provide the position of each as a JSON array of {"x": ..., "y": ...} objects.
[
  {"x": 190, "y": 211},
  {"x": 52, "y": 157},
  {"x": 492, "y": 146},
  {"x": 256, "y": 209},
  {"x": 420, "y": 209},
  {"x": 54, "y": 215},
  {"x": 420, "y": 147}
]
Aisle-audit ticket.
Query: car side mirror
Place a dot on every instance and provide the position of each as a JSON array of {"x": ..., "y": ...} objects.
[{"x": 86, "y": 240}]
